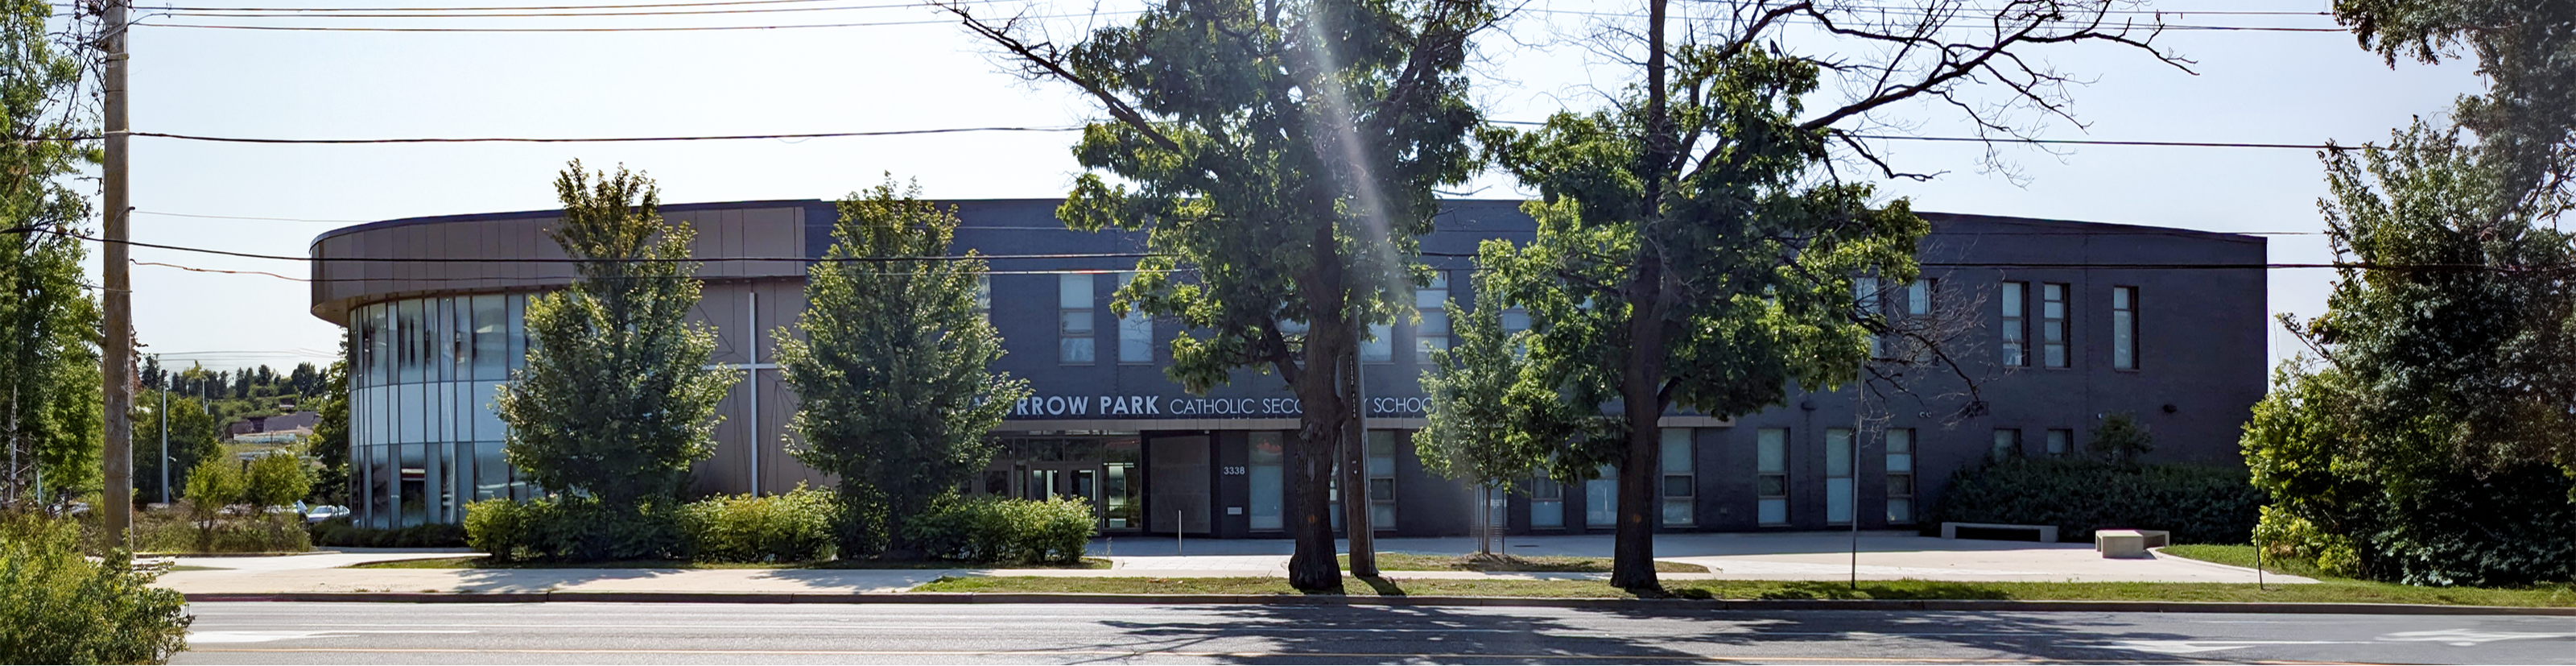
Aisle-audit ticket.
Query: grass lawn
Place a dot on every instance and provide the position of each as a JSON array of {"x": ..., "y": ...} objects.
[
  {"x": 479, "y": 563},
  {"x": 1507, "y": 562},
  {"x": 2243, "y": 556},
  {"x": 2332, "y": 591}
]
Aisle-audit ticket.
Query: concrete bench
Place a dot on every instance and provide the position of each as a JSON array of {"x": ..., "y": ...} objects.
[
  {"x": 2047, "y": 533},
  {"x": 2129, "y": 543}
]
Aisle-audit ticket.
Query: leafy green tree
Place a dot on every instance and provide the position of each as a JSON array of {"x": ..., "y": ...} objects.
[
  {"x": 617, "y": 399},
  {"x": 896, "y": 394},
  {"x": 1695, "y": 249},
  {"x": 195, "y": 437},
  {"x": 2526, "y": 54},
  {"x": 1481, "y": 404},
  {"x": 330, "y": 440},
  {"x": 1280, "y": 157},
  {"x": 279, "y": 478},
  {"x": 49, "y": 376},
  {"x": 2428, "y": 441}
]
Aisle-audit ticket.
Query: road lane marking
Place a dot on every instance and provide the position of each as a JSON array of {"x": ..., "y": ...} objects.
[
  {"x": 1146, "y": 653},
  {"x": 219, "y": 637},
  {"x": 2468, "y": 638},
  {"x": 2189, "y": 647}
]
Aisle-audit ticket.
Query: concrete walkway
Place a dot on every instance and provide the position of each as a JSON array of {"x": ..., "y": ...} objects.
[{"x": 1769, "y": 556}]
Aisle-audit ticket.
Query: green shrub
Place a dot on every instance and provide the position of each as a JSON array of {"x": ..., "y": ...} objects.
[
  {"x": 341, "y": 532},
  {"x": 573, "y": 530},
  {"x": 795, "y": 527},
  {"x": 58, "y": 607},
  {"x": 1005, "y": 531},
  {"x": 179, "y": 530},
  {"x": 2198, "y": 504},
  {"x": 277, "y": 479}
]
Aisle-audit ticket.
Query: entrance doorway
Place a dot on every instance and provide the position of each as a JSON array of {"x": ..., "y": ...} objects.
[{"x": 1101, "y": 469}]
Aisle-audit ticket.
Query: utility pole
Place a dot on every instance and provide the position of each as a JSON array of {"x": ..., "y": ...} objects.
[
  {"x": 165, "y": 438},
  {"x": 116, "y": 348}
]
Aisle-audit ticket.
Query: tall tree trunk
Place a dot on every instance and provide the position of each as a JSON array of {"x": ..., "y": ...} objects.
[
  {"x": 1322, "y": 421},
  {"x": 1632, "y": 563},
  {"x": 1633, "y": 554}
]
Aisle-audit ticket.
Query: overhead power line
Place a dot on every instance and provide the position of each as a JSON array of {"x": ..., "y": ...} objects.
[
  {"x": 567, "y": 260},
  {"x": 1075, "y": 128},
  {"x": 2361, "y": 265}
]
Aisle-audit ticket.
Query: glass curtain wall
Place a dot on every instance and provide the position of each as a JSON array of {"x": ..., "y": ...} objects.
[{"x": 424, "y": 439}]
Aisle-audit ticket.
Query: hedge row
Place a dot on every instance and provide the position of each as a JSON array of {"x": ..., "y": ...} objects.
[
  {"x": 800, "y": 526},
  {"x": 2197, "y": 504},
  {"x": 341, "y": 532}
]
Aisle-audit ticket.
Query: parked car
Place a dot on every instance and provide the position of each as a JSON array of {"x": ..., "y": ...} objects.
[{"x": 319, "y": 513}]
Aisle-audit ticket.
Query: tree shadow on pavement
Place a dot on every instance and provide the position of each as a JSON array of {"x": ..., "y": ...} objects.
[{"x": 1401, "y": 633}]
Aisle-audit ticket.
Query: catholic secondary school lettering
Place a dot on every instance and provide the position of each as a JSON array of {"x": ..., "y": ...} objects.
[{"x": 1154, "y": 405}]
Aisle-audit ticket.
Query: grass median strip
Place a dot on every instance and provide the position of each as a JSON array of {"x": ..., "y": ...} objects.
[
  {"x": 478, "y": 562},
  {"x": 1395, "y": 585},
  {"x": 1508, "y": 563}
]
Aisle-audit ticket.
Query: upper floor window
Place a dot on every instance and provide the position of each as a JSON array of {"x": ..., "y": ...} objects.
[
  {"x": 2052, "y": 324},
  {"x": 1379, "y": 346},
  {"x": 1865, "y": 297},
  {"x": 1432, "y": 302},
  {"x": 1135, "y": 333},
  {"x": 1918, "y": 297},
  {"x": 984, "y": 297},
  {"x": 1074, "y": 330},
  {"x": 2124, "y": 328},
  {"x": 2016, "y": 329}
]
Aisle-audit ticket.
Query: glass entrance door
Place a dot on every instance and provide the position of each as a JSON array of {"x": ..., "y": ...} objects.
[{"x": 1100, "y": 469}]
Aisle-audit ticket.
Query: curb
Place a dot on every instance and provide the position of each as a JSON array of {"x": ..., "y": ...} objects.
[{"x": 1329, "y": 600}]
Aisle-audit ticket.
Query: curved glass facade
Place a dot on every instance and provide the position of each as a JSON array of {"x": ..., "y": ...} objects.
[{"x": 424, "y": 438}]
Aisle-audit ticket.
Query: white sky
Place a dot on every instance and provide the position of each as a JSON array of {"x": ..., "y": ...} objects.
[{"x": 2268, "y": 87}]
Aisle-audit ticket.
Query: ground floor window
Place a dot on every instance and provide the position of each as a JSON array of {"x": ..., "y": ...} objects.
[
  {"x": 1900, "y": 476},
  {"x": 1266, "y": 477},
  {"x": 1601, "y": 498},
  {"x": 1838, "y": 476},
  {"x": 1381, "y": 479},
  {"x": 1771, "y": 476},
  {"x": 1546, "y": 504},
  {"x": 1679, "y": 480}
]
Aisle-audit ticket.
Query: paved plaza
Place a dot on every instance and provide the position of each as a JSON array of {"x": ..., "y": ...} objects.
[{"x": 1772, "y": 556}]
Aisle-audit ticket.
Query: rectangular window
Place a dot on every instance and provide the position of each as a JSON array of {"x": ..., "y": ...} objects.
[
  {"x": 2016, "y": 333},
  {"x": 2124, "y": 328},
  {"x": 1546, "y": 504},
  {"x": 1865, "y": 296},
  {"x": 1516, "y": 320},
  {"x": 1918, "y": 297},
  {"x": 1679, "y": 479},
  {"x": 1074, "y": 331},
  {"x": 1266, "y": 478},
  {"x": 984, "y": 297},
  {"x": 2007, "y": 444},
  {"x": 1900, "y": 476},
  {"x": 1432, "y": 302},
  {"x": 448, "y": 340},
  {"x": 1381, "y": 479},
  {"x": 2059, "y": 441},
  {"x": 2052, "y": 324},
  {"x": 1135, "y": 334},
  {"x": 518, "y": 331},
  {"x": 1771, "y": 476},
  {"x": 1838, "y": 476},
  {"x": 411, "y": 334},
  {"x": 1601, "y": 498},
  {"x": 1380, "y": 345},
  {"x": 491, "y": 337}
]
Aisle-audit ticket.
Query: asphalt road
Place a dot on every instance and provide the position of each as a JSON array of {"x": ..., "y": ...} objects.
[{"x": 590, "y": 633}]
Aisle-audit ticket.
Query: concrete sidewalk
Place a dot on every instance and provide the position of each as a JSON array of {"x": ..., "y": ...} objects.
[{"x": 1769, "y": 556}]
